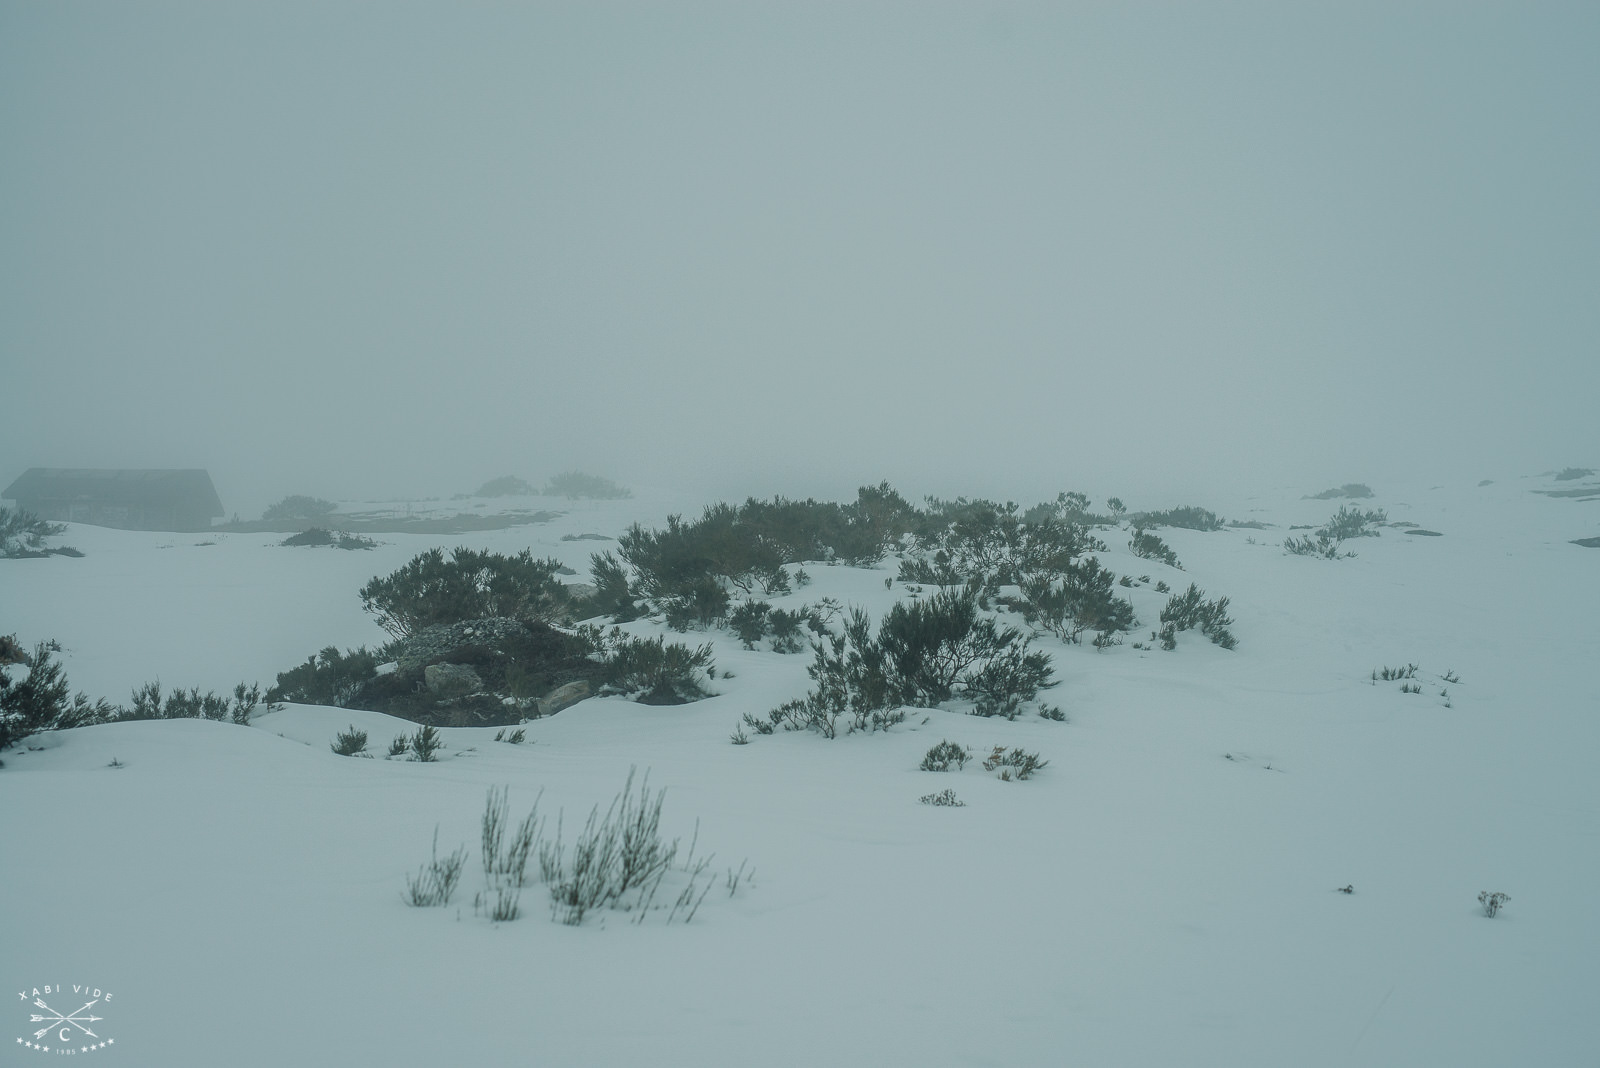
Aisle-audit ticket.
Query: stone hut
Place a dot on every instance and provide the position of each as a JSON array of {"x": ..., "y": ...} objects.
[{"x": 178, "y": 500}]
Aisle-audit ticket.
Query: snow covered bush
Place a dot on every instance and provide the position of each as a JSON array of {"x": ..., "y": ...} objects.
[
  {"x": 349, "y": 742},
  {"x": 1345, "y": 524},
  {"x": 467, "y": 585},
  {"x": 1017, "y": 764},
  {"x": 147, "y": 703},
  {"x": 39, "y": 700},
  {"x": 993, "y": 545},
  {"x": 945, "y": 798},
  {"x": 1188, "y": 517},
  {"x": 425, "y": 744},
  {"x": 935, "y": 644},
  {"x": 435, "y": 882},
  {"x": 575, "y": 485},
  {"x": 1492, "y": 902},
  {"x": 23, "y": 534},
  {"x": 328, "y": 678},
  {"x": 1190, "y": 610},
  {"x": 1082, "y": 598},
  {"x": 651, "y": 671},
  {"x": 945, "y": 754},
  {"x": 297, "y": 506},
  {"x": 1150, "y": 547}
]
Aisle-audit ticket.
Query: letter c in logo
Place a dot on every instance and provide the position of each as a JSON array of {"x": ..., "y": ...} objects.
[{"x": 65, "y": 1036}]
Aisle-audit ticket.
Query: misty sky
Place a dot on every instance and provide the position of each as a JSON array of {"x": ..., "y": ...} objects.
[{"x": 373, "y": 249}]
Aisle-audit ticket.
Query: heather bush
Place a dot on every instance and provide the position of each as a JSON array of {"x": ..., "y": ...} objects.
[
  {"x": 575, "y": 485},
  {"x": 349, "y": 742},
  {"x": 1147, "y": 545},
  {"x": 1190, "y": 610},
  {"x": 328, "y": 678},
  {"x": 23, "y": 534},
  {"x": 297, "y": 506},
  {"x": 1083, "y": 599},
  {"x": 467, "y": 585},
  {"x": 650, "y": 671},
  {"x": 39, "y": 700}
]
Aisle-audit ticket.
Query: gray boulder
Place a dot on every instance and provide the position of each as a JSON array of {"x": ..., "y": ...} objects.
[
  {"x": 451, "y": 680},
  {"x": 564, "y": 697}
]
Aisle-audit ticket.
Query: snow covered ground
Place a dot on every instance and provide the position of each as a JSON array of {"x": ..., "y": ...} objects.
[{"x": 1164, "y": 893}]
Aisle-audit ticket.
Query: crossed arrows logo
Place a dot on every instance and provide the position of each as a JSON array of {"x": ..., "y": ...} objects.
[{"x": 55, "y": 1019}]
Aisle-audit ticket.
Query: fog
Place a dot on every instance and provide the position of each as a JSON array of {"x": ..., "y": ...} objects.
[{"x": 368, "y": 250}]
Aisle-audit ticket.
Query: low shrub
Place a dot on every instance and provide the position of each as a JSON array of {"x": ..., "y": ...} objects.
[
  {"x": 945, "y": 755},
  {"x": 338, "y": 539},
  {"x": 1147, "y": 545},
  {"x": 1083, "y": 599},
  {"x": 40, "y": 701},
  {"x": 575, "y": 485},
  {"x": 1352, "y": 490},
  {"x": 945, "y": 798},
  {"x": 436, "y": 881},
  {"x": 1492, "y": 901},
  {"x": 349, "y": 742},
  {"x": 1188, "y": 517},
  {"x": 328, "y": 678},
  {"x": 469, "y": 584},
  {"x": 505, "y": 486},
  {"x": 1017, "y": 764},
  {"x": 297, "y": 506},
  {"x": 148, "y": 703},
  {"x": 425, "y": 744},
  {"x": 23, "y": 534},
  {"x": 651, "y": 671},
  {"x": 1190, "y": 610}
]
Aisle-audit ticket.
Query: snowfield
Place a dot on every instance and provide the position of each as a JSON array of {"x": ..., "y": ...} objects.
[{"x": 1165, "y": 892}]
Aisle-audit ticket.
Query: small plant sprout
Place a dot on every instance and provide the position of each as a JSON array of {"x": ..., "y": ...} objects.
[
  {"x": 425, "y": 743},
  {"x": 400, "y": 746},
  {"x": 349, "y": 742},
  {"x": 436, "y": 881},
  {"x": 739, "y": 737},
  {"x": 944, "y": 799},
  {"x": 1016, "y": 764},
  {"x": 1451, "y": 677},
  {"x": 1493, "y": 901},
  {"x": 115, "y": 763},
  {"x": 944, "y": 756}
]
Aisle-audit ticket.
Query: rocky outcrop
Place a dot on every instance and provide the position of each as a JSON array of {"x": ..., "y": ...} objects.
[
  {"x": 451, "y": 680},
  {"x": 564, "y": 697}
]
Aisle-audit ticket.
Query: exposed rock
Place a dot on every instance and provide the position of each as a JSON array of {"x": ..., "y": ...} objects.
[
  {"x": 564, "y": 697},
  {"x": 430, "y": 643},
  {"x": 451, "y": 680}
]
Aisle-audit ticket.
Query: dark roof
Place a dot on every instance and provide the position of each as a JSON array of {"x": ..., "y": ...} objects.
[{"x": 190, "y": 486}]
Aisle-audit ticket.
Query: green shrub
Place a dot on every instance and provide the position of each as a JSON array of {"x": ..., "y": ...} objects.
[
  {"x": 328, "y": 678},
  {"x": 148, "y": 703},
  {"x": 1150, "y": 547},
  {"x": 992, "y": 545},
  {"x": 23, "y": 534},
  {"x": 750, "y": 621},
  {"x": 1190, "y": 610},
  {"x": 1352, "y": 490},
  {"x": 39, "y": 700},
  {"x": 945, "y": 755},
  {"x": 575, "y": 485},
  {"x": 338, "y": 539},
  {"x": 468, "y": 585},
  {"x": 1017, "y": 764},
  {"x": 425, "y": 744},
  {"x": 1084, "y": 599},
  {"x": 653, "y": 672},
  {"x": 298, "y": 507},
  {"x": 932, "y": 644},
  {"x": 505, "y": 486},
  {"x": 349, "y": 742},
  {"x": 1188, "y": 517},
  {"x": 945, "y": 798}
]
